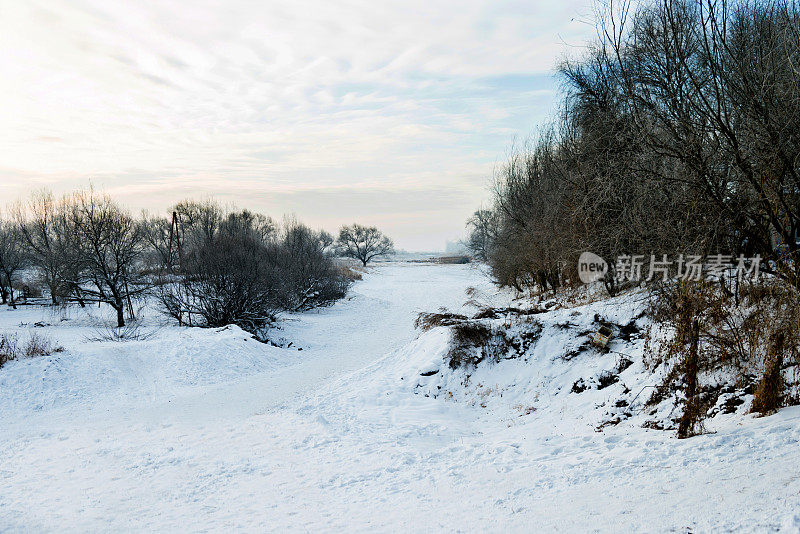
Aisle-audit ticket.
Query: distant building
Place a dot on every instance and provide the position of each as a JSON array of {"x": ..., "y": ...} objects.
[{"x": 455, "y": 248}]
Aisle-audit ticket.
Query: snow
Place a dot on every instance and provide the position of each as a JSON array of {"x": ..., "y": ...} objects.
[{"x": 210, "y": 430}]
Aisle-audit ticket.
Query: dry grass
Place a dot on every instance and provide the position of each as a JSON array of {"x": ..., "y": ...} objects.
[
  {"x": 475, "y": 339},
  {"x": 752, "y": 330},
  {"x": 474, "y": 342},
  {"x": 495, "y": 313},
  {"x": 469, "y": 344},
  {"x": 13, "y": 348},
  {"x": 426, "y": 321},
  {"x": 350, "y": 273}
]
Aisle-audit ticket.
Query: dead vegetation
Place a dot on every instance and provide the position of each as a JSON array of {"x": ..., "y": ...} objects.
[
  {"x": 472, "y": 343},
  {"x": 769, "y": 392},
  {"x": 453, "y": 260},
  {"x": 749, "y": 332},
  {"x": 350, "y": 273},
  {"x": 496, "y": 313},
  {"x": 716, "y": 344},
  {"x": 14, "y": 348},
  {"x": 476, "y": 339},
  {"x": 426, "y": 321}
]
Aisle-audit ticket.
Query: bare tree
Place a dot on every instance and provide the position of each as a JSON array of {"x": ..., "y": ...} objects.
[
  {"x": 249, "y": 271},
  {"x": 483, "y": 229},
  {"x": 677, "y": 136},
  {"x": 111, "y": 242},
  {"x": 199, "y": 221},
  {"x": 261, "y": 227},
  {"x": 713, "y": 87},
  {"x": 308, "y": 270},
  {"x": 156, "y": 232},
  {"x": 363, "y": 243},
  {"x": 45, "y": 225},
  {"x": 12, "y": 259}
]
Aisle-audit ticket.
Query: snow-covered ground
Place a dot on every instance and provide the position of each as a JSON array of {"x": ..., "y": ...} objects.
[{"x": 209, "y": 430}]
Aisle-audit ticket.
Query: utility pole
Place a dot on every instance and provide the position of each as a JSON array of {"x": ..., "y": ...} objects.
[{"x": 174, "y": 237}]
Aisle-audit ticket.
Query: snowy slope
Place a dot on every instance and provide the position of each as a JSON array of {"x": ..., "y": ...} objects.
[
  {"x": 558, "y": 368},
  {"x": 208, "y": 430}
]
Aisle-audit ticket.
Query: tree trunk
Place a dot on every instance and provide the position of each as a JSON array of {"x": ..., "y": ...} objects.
[
  {"x": 688, "y": 425},
  {"x": 79, "y": 296},
  {"x": 611, "y": 283},
  {"x": 769, "y": 391},
  {"x": 120, "y": 315}
]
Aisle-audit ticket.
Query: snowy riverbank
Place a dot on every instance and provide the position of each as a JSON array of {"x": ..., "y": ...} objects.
[{"x": 193, "y": 430}]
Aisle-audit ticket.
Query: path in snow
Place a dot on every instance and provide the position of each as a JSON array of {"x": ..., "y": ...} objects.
[
  {"x": 376, "y": 319},
  {"x": 102, "y": 461}
]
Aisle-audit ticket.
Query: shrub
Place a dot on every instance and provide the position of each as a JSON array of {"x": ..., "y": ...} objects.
[
  {"x": 12, "y": 348},
  {"x": 749, "y": 329},
  {"x": 228, "y": 280},
  {"x": 244, "y": 275},
  {"x": 309, "y": 275},
  {"x": 426, "y": 321},
  {"x": 473, "y": 342}
]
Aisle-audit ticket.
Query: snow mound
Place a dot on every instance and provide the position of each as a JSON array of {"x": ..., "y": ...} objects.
[
  {"x": 156, "y": 368},
  {"x": 552, "y": 373}
]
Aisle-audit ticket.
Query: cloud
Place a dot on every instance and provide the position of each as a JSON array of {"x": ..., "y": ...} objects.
[{"x": 293, "y": 99}]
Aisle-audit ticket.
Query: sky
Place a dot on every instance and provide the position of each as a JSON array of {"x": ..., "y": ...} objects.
[{"x": 388, "y": 113}]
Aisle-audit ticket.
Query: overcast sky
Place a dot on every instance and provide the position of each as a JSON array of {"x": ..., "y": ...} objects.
[{"x": 382, "y": 112}]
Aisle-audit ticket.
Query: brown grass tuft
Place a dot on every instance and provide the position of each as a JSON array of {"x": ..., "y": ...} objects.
[
  {"x": 426, "y": 321},
  {"x": 12, "y": 348}
]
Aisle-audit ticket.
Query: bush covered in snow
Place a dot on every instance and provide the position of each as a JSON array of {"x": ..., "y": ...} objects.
[{"x": 748, "y": 331}]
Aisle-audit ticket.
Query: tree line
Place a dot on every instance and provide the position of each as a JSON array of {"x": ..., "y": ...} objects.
[
  {"x": 207, "y": 265},
  {"x": 677, "y": 134}
]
